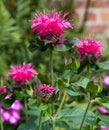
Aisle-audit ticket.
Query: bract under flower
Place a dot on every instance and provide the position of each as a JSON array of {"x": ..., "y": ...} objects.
[
  {"x": 50, "y": 26},
  {"x": 22, "y": 73}
]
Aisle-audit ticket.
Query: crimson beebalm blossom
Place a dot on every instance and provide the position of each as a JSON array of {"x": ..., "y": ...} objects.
[
  {"x": 22, "y": 73},
  {"x": 89, "y": 47},
  {"x": 44, "y": 91},
  {"x": 50, "y": 26}
]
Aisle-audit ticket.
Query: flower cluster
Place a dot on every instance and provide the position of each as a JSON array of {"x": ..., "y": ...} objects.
[
  {"x": 44, "y": 91},
  {"x": 89, "y": 47},
  {"x": 22, "y": 73},
  {"x": 11, "y": 114},
  {"x": 49, "y": 26}
]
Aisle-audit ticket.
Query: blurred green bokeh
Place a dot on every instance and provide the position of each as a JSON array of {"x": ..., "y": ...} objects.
[{"x": 15, "y": 33}]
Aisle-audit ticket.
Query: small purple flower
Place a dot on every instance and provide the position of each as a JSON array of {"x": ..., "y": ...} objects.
[
  {"x": 102, "y": 110},
  {"x": 11, "y": 114},
  {"x": 103, "y": 128},
  {"x": 106, "y": 80},
  {"x": 17, "y": 105},
  {"x": 8, "y": 96}
]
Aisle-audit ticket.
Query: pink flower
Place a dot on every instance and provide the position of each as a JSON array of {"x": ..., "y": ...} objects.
[
  {"x": 17, "y": 105},
  {"x": 22, "y": 73},
  {"x": 106, "y": 80},
  {"x": 103, "y": 128},
  {"x": 102, "y": 110},
  {"x": 50, "y": 26},
  {"x": 44, "y": 91},
  {"x": 11, "y": 114},
  {"x": 89, "y": 46},
  {"x": 3, "y": 90}
]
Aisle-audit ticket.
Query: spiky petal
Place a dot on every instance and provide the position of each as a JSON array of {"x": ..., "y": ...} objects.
[{"x": 22, "y": 73}]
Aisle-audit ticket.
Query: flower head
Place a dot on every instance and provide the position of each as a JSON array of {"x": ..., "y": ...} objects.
[
  {"x": 106, "y": 80},
  {"x": 102, "y": 110},
  {"x": 22, "y": 73},
  {"x": 44, "y": 91},
  {"x": 89, "y": 47},
  {"x": 50, "y": 26}
]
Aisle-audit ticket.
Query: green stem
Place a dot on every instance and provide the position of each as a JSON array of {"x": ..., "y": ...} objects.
[
  {"x": 1, "y": 123},
  {"x": 84, "y": 116},
  {"x": 40, "y": 120},
  {"x": 52, "y": 83},
  {"x": 26, "y": 109},
  {"x": 62, "y": 101},
  {"x": 51, "y": 67}
]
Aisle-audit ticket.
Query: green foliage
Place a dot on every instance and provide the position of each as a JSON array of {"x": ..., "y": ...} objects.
[
  {"x": 82, "y": 82},
  {"x": 93, "y": 88}
]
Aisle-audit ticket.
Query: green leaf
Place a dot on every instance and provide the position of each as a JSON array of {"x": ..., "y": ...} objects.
[
  {"x": 71, "y": 92},
  {"x": 34, "y": 46},
  {"x": 36, "y": 110},
  {"x": 72, "y": 41},
  {"x": 76, "y": 115},
  {"x": 18, "y": 95},
  {"x": 62, "y": 48},
  {"x": 82, "y": 82},
  {"x": 31, "y": 125},
  {"x": 67, "y": 45},
  {"x": 74, "y": 65},
  {"x": 104, "y": 121},
  {"x": 93, "y": 88},
  {"x": 46, "y": 126},
  {"x": 104, "y": 65}
]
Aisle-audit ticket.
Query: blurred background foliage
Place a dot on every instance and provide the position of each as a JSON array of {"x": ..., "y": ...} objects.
[{"x": 15, "y": 34}]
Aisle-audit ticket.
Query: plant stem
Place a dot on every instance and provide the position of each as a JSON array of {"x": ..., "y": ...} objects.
[
  {"x": 26, "y": 109},
  {"x": 51, "y": 67},
  {"x": 52, "y": 83},
  {"x": 62, "y": 101},
  {"x": 85, "y": 115},
  {"x": 1, "y": 123},
  {"x": 40, "y": 120}
]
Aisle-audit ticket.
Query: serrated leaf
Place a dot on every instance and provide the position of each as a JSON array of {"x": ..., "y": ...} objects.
[
  {"x": 76, "y": 115},
  {"x": 31, "y": 125},
  {"x": 104, "y": 65},
  {"x": 71, "y": 92},
  {"x": 104, "y": 121},
  {"x": 82, "y": 82}
]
